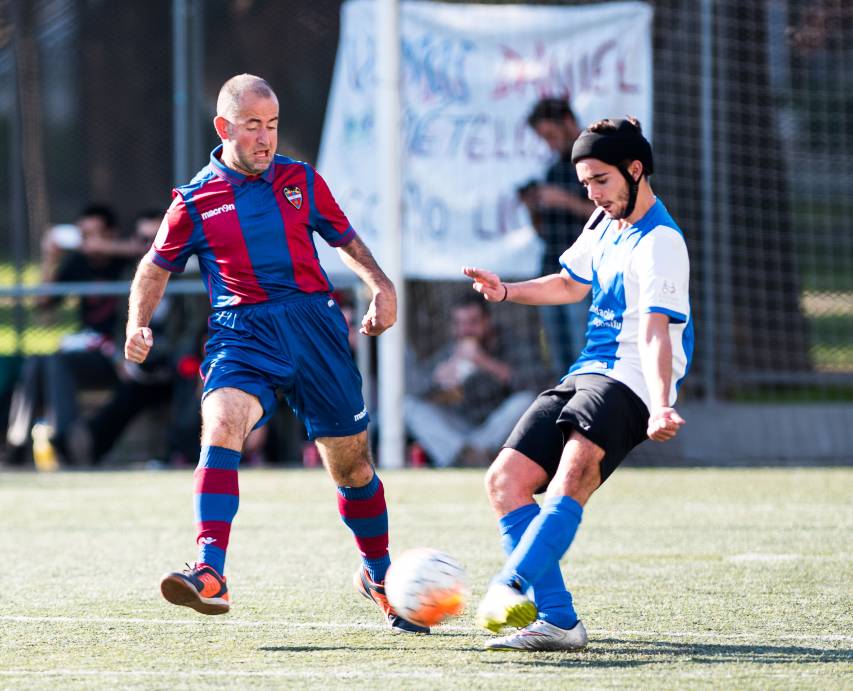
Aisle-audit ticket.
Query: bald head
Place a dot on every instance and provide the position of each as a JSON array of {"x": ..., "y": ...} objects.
[
  {"x": 232, "y": 92},
  {"x": 247, "y": 123}
]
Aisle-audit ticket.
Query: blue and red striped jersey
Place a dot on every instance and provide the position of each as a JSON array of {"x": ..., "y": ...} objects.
[{"x": 254, "y": 235}]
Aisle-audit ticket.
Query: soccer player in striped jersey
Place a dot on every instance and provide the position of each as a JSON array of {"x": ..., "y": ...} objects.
[
  {"x": 250, "y": 216},
  {"x": 619, "y": 391}
]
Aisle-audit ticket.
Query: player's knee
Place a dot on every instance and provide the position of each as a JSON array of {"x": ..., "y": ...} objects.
[
  {"x": 222, "y": 429},
  {"x": 347, "y": 459},
  {"x": 352, "y": 473},
  {"x": 228, "y": 415},
  {"x": 223, "y": 432},
  {"x": 505, "y": 492},
  {"x": 492, "y": 481}
]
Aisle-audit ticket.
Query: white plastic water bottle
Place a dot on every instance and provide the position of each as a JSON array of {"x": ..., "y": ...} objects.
[{"x": 44, "y": 455}]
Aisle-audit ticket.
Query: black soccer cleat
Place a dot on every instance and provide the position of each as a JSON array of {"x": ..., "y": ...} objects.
[{"x": 199, "y": 586}]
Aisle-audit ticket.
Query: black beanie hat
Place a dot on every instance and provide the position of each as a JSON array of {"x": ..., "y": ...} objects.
[{"x": 625, "y": 143}]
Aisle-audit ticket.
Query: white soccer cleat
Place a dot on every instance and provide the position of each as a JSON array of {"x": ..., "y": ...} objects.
[
  {"x": 505, "y": 606},
  {"x": 541, "y": 635}
]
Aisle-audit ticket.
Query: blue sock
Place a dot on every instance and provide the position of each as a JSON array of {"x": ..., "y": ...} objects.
[
  {"x": 544, "y": 542},
  {"x": 549, "y": 593}
]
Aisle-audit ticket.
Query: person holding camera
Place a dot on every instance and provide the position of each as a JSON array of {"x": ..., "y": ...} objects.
[
  {"x": 558, "y": 208},
  {"x": 462, "y": 405}
]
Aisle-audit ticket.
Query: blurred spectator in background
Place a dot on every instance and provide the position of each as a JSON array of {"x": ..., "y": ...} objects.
[
  {"x": 558, "y": 209},
  {"x": 821, "y": 23},
  {"x": 175, "y": 357},
  {"x": 89, "y": 251},
  {"x": 472, "y": 390}
]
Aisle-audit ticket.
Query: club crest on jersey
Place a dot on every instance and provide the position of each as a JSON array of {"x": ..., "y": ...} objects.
[{"x": 293, "y": 195}]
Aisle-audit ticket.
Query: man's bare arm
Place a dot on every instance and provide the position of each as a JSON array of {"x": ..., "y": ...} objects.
[
  {"x": 655, "y": 348},
  {"x": 382, "y": 312},
  {"x": 553, "y": 289},
  {"x": 146, "y": 291}
]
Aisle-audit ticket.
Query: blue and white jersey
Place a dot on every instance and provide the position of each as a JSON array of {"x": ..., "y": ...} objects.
[{"x": 634, "y": 270}]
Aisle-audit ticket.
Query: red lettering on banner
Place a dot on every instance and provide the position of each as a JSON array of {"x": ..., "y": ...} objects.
[{"x": 545, "y": 73}]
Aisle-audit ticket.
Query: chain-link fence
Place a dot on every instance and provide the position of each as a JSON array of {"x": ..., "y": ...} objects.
[{"x": 752, "y": 132}]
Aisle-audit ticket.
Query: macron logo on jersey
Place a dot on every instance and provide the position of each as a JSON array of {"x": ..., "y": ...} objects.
[{"x": 218, "y": 210}]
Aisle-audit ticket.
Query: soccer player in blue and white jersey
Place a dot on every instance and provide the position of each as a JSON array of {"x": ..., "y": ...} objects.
[
  {"x": 620, "y": 391},
  {"x": 250, "y": 216}
]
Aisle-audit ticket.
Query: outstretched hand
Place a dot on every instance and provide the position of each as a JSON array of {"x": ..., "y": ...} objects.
[
  {"x": 488, "y": 284},
  {"x": 664, "y": 424}
]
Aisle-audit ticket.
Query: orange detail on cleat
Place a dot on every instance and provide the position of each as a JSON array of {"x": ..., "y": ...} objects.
[
  {"x": 199, "y": 587},
  {"x": 376, "y": 593},
  {"x": 211, "y": 585},
  {"x": 372, "y": 591}
]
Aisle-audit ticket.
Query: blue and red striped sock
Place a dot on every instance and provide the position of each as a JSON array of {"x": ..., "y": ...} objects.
[
  {"x": 217, "y": 496},
  {"x": 363, "y": 510}
]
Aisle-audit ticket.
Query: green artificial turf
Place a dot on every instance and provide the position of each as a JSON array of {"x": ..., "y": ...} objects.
[{"x": 684, "y": 579}]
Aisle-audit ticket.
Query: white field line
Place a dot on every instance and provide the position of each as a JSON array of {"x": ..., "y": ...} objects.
[
  {"x": 763, "y": 635},
  {"x": 705, "y": 635},
  {"x": 430, "y": 674},
  {"x": 763, "y": 557},
  {"x": 223, "y": 674}
]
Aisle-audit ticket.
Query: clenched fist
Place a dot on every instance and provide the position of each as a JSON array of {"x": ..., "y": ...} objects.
[{"x": 138, "y": 344}]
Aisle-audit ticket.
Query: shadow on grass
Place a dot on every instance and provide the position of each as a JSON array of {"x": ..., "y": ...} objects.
[
  {"x": 311, "y": 648},
  {"x": 615, "y": 652},
  {"x": 352, "y": 648},
  {"x": 436, "y": 634}
]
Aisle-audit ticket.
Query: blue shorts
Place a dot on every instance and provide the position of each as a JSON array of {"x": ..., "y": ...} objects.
[{"x": 300, "y": 347}]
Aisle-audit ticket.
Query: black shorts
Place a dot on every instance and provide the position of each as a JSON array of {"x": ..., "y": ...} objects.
[{"x": 602, "y": 409}]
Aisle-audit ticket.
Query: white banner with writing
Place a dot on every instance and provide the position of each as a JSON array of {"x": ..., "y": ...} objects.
[{"x": 470, "y": 76}]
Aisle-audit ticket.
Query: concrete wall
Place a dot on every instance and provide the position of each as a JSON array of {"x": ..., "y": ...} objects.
[{"x": 733, "y": 434}]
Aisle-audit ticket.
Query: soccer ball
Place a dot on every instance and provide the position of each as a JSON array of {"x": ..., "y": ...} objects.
[{"x": 426, "y": 586}]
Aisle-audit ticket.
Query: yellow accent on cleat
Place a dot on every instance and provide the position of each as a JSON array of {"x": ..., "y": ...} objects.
[{"x": 505, "y": 606}]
